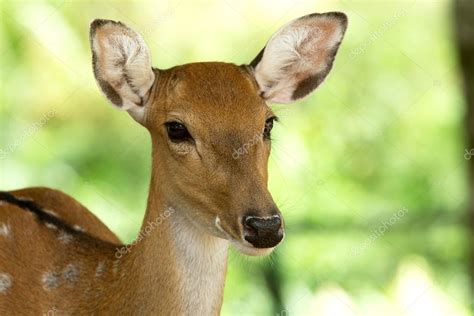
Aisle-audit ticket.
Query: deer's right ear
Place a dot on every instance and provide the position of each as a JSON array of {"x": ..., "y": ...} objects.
[{"x": 122, "y": 64}]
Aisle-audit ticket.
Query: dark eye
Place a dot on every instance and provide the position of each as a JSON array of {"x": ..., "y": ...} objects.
[
  {"x": 177, "y": 132},
  {"x": 268, "y": 127}
]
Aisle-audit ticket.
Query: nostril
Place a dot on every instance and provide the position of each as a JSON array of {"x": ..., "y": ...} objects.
[{"x": 262, "y": 224}]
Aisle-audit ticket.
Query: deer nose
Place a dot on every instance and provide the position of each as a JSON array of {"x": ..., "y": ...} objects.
[{"x": 263, "y": 232}]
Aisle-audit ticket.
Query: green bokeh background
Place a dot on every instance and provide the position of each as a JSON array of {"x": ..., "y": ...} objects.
[{"x": 382, "y": 136}]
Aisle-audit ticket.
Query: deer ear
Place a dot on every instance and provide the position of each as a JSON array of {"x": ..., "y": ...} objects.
[
  {"x": 299, "y": 56},
  {"x": 122, "y": 64}
]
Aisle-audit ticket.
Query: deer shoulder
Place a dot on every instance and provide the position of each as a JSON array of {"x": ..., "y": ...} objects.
[
  {"x": 66, "y": 209},
  {"x": 77, "y": 253}
]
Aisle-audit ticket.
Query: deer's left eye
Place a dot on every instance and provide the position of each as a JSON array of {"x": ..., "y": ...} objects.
[
  {"x": 177, "y": 132},
  {"x": 268, "y": 127}
]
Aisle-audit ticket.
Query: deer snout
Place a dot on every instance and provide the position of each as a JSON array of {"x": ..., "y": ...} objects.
[{"x": 263, "y": 232}]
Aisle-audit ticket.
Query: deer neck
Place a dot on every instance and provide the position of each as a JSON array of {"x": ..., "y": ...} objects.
[{"x": 174, "y": 266}]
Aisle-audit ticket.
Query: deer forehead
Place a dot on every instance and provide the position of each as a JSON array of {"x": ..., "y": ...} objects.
[{"x": 212, "y": 95}]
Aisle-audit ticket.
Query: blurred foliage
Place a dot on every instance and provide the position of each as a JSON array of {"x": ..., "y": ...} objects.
[{"x": 382, "y": 134}]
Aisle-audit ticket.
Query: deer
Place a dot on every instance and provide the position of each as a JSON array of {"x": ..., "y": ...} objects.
[{"x": 57, "y": 257}]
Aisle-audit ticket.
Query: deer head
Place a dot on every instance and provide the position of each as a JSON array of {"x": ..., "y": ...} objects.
[{"x": 210, "y": 123}]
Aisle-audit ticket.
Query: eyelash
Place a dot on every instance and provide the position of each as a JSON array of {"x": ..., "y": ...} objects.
[{"x": 268, "y": 127}]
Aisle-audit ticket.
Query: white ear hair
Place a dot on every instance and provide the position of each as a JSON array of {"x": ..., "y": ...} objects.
[
  {"x": 299, "y": 56},
  {"x": 122, "y": 64}
]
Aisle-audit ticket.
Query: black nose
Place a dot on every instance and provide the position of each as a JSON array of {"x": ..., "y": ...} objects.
[{"x": 263, "y": 232}]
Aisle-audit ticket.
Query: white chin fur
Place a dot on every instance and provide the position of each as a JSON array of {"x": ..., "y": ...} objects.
[{"x": 250, "y": 250}]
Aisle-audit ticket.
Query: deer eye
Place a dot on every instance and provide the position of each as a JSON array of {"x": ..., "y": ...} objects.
[
  {"x": 268, "y": 127},
  {"x": 177, "y": 132}
]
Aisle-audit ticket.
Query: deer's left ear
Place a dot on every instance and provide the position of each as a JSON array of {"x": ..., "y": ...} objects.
[{"x": 299, "y": 56}]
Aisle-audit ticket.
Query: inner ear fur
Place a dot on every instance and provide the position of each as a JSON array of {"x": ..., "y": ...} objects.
[
  {"x": 299, "y": 56},
  {"x": 121, "y": 62}
]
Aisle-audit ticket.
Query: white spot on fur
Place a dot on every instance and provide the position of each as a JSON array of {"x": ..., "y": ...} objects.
[
  {"x": 100, "y": 270},
  {"x": 71, "y": 273},
  {"x": 64, "y": 237},
  {"x": 52, "y": 213},
  {"x": 5, "y": 282},
  {"x": 51, "y": 226},
  {"x": 79, "y": 228},
  {"x": 50, "y": 280},
  {"x": 5, "y": 230}
]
